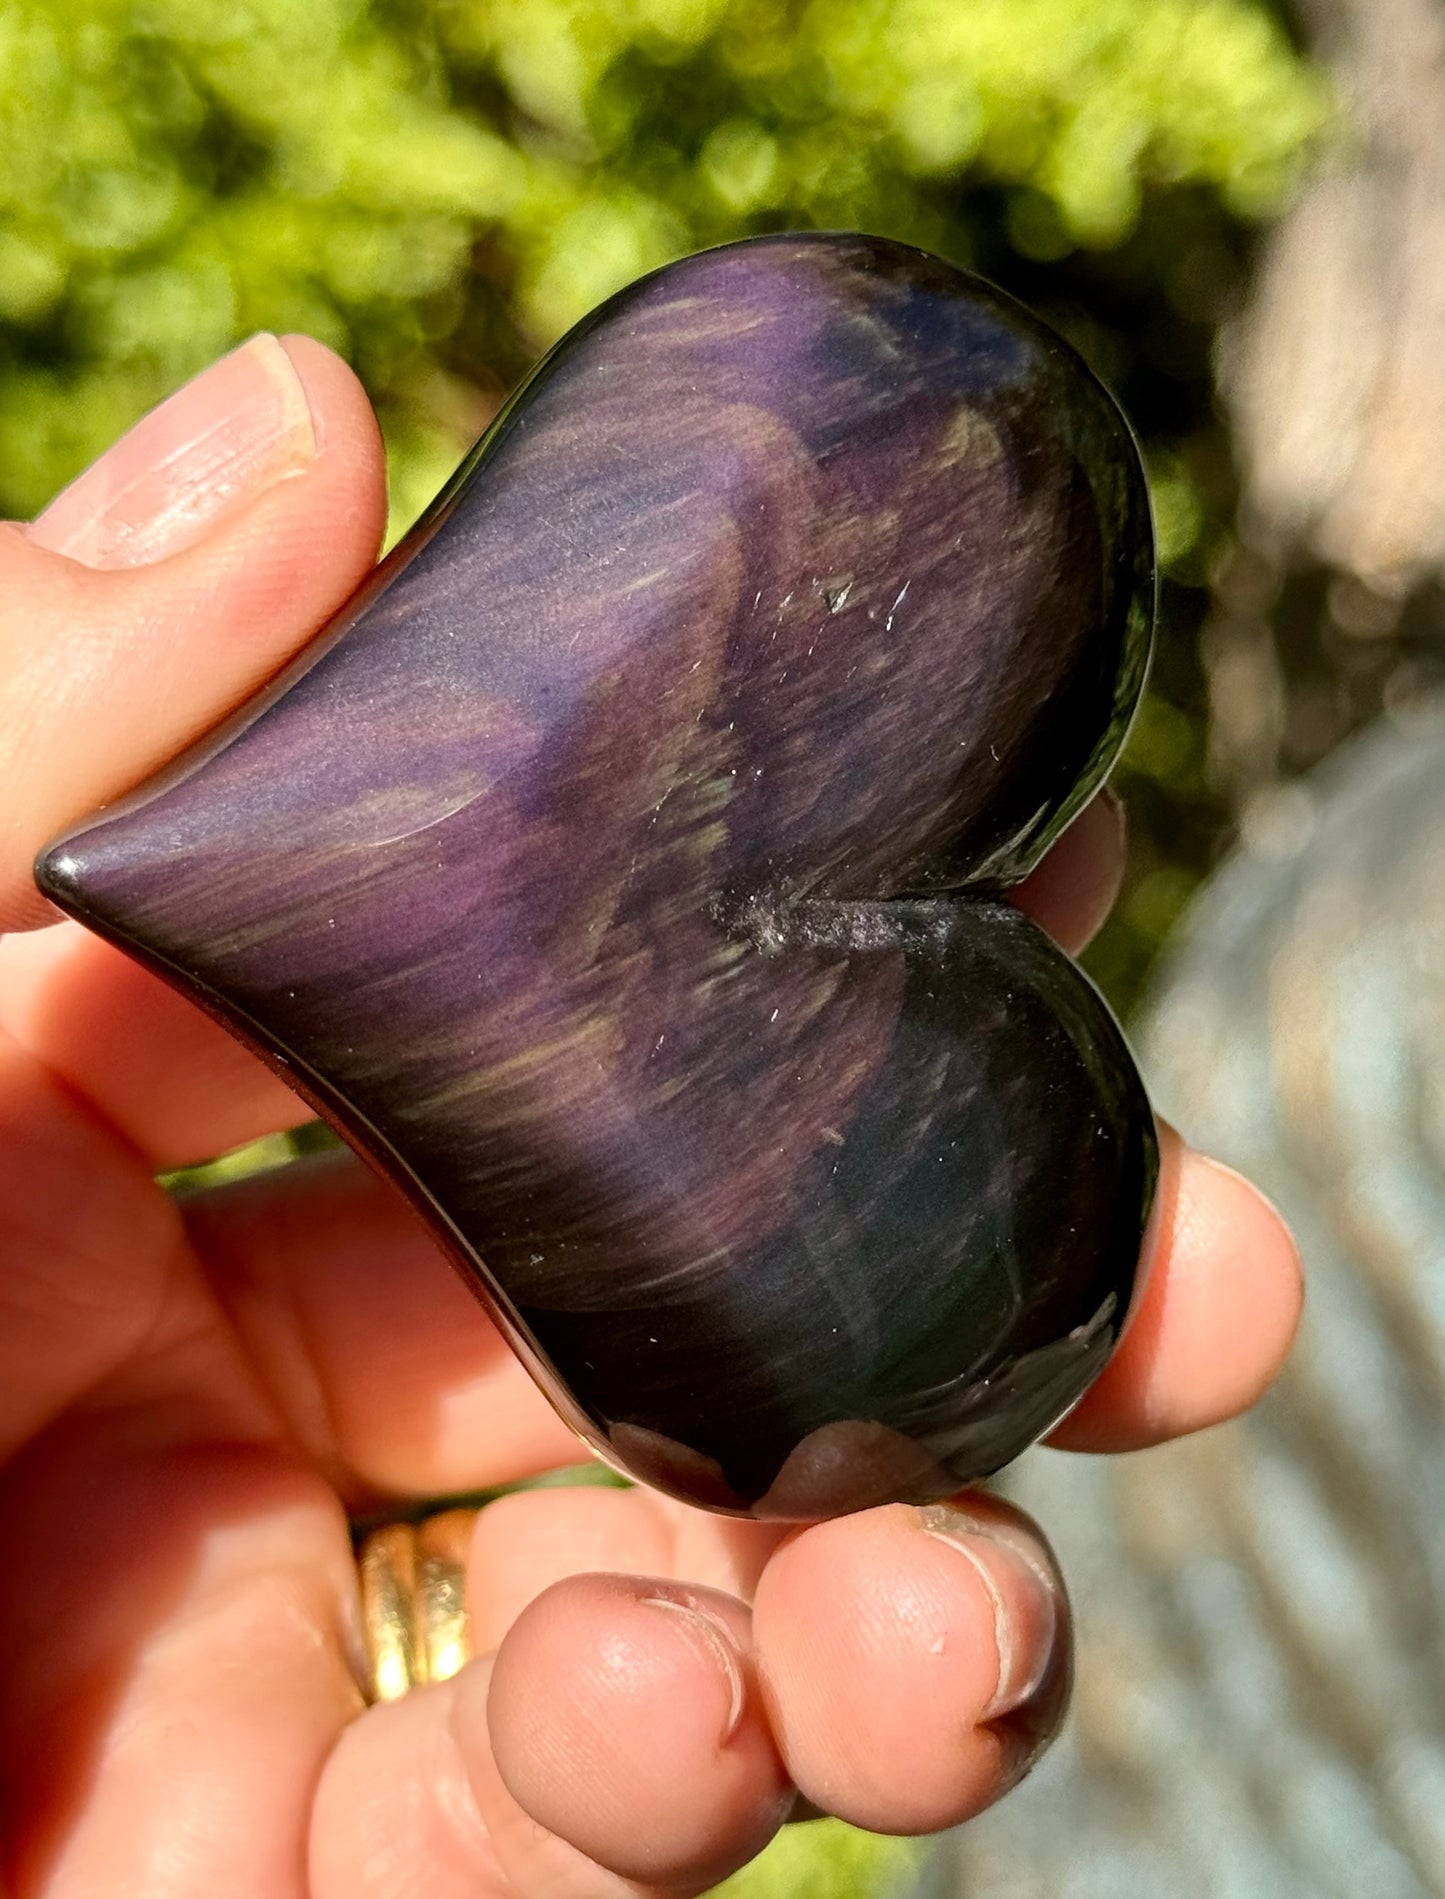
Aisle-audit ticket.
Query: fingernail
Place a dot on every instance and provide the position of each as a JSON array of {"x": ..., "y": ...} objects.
[
  {"x": 718, "y": 1643},
  {"x": 1023, "y": 1593},
  {"x": 232, "y": 432}
]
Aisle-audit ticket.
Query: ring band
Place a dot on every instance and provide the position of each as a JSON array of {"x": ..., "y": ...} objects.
[{"x": 413, "y": 1602}]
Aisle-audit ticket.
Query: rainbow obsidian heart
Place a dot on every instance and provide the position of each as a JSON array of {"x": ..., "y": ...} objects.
[{"x": 621, "y": 871}]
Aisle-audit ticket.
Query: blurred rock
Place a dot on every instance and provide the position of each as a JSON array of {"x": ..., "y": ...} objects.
[{"x": 1261, "y": 1696}]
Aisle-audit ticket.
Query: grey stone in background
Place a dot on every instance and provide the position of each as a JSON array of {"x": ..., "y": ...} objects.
[{"x": 1261, "y": 1695}]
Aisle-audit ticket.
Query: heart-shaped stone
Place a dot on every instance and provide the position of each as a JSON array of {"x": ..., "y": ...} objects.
[{"x": 621, "y": 871}]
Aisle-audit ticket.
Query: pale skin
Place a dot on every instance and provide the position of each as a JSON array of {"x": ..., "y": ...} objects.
[{"x": 194, "y": 1400}]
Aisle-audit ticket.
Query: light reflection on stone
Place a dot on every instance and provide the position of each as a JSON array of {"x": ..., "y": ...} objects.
[{"x": 622, "y": 874}]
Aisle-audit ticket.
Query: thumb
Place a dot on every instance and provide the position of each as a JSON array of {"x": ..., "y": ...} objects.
[{"x": 171, "y": 579}]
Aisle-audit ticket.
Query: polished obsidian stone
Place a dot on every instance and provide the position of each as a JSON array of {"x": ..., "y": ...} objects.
[{"x": 622, "y": 871}]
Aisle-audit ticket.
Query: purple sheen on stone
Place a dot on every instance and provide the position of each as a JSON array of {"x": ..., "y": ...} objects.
[{"x": 622, "y": 872}]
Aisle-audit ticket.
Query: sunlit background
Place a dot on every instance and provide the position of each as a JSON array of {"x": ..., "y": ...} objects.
[
  {"x": 438, "y": 188},
  {"x": 1235, "y": 210}
]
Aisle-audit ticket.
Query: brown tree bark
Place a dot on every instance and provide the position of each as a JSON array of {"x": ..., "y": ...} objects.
[{"x": 1335, "y": 377}]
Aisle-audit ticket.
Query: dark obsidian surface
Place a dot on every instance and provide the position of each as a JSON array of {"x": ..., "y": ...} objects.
[{"x": 622, "y": 870}]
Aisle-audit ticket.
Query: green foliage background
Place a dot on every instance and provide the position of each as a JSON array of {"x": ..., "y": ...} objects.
[{"x": 438, "y": 188}]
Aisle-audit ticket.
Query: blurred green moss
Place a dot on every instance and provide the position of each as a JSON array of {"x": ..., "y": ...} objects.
[
  {"x": 823, "y": 1859},
  {"x": 440, "y": 187}
]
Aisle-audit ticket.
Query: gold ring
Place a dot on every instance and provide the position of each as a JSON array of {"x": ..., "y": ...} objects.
[{"x": 413, "y": 1602}]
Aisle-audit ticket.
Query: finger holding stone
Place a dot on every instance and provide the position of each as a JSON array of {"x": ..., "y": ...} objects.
[
  {"x": 614, "y": 1748},
  {"x": 390, "y": 1375},
  {"x": 914, "y": 1662},
  {"x": 172, "y": 578},
  {"x": 615, "y": 1697},
  {"x": 1219, "y": 1303},
  {"x": 1073, "y": 889},
  {"x": 174, "y": 1083},
  {"x": 524, "y": 1543}
]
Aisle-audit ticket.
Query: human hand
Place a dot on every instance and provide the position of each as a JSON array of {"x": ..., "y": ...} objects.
[{"x": 195, "y": 1400}]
